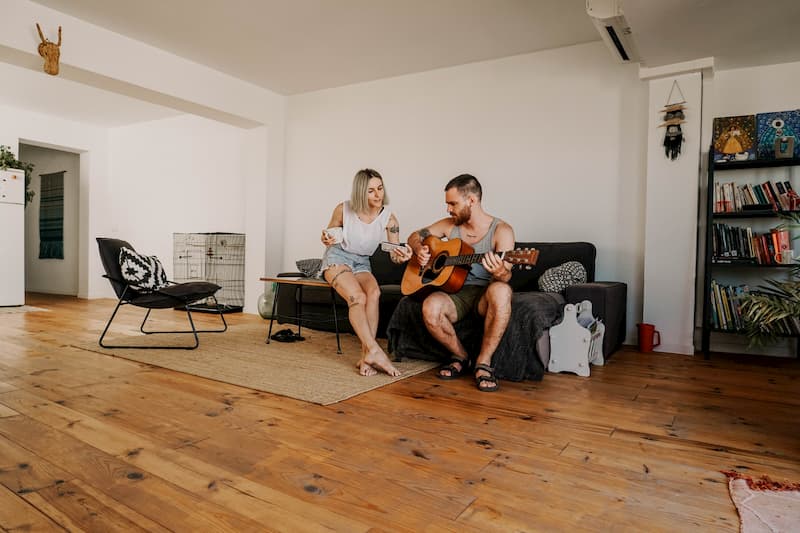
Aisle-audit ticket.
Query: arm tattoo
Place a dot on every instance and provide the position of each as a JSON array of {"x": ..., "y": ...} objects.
[
  {"x": 424, "y": 232},
  {"x": 394, "y": 229}
]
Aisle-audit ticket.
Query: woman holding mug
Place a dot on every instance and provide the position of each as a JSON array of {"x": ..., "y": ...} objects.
[{"x": 356, "y": 229}]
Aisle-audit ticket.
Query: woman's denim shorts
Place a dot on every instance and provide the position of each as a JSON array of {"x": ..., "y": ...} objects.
[{"x": 335, "y": 255}]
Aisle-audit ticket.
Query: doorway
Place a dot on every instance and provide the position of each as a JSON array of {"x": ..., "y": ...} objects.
[{"x": 43, "y": 272}]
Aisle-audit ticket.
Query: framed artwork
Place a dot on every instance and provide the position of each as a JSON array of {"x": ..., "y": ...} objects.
[
  {"x": 778, "y": 134},
  {"x": 734, "y": 138}
]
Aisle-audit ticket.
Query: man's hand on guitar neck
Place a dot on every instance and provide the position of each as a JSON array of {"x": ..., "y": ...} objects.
[{"x": 496, "y": 267}]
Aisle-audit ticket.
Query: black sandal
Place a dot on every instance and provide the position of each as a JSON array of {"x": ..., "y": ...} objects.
[
  {"x": 455, "y": 372},
  {"x": 486, "y": 379},
  {"x": 287, "y": 335}
]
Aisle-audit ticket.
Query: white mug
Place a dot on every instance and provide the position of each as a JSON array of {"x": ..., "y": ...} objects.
[{"x": 337, "y": 234}]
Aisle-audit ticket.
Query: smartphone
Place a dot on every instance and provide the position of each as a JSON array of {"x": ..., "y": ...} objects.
[{"x": 387, "y": 246}]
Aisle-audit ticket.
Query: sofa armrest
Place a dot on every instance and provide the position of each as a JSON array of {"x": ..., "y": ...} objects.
[{"x": 609, "y": 303}]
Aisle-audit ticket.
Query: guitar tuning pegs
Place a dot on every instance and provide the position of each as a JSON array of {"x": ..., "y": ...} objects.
[{"x": 528, "y": 267}]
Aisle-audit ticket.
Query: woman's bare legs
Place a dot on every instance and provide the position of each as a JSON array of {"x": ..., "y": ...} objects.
[
  {"x": 348, "y": 286},
  {"x": 373, "y": 293}
]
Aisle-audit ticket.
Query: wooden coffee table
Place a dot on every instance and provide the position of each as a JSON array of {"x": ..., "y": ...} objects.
[{"x": 299, "y": 283}]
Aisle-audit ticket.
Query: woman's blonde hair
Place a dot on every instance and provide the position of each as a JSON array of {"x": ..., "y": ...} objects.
[{"x": 358, "y": 198}]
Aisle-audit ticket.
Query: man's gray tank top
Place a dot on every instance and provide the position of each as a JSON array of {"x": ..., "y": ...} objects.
[{"x": 477, "y": 274}]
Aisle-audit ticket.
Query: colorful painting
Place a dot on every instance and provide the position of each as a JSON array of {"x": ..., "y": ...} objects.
[
  {"x": 735, "y": 138},
  {"x": 778, "y": 134}
]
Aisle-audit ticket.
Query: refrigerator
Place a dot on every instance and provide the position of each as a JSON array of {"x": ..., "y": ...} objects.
[{"x": 12, "y": 238}]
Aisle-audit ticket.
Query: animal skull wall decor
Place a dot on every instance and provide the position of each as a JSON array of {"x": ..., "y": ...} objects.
[{"x": 50, "y": 51}]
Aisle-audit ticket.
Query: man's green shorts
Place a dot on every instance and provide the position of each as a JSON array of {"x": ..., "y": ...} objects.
[{"x": 467, "y": 299}]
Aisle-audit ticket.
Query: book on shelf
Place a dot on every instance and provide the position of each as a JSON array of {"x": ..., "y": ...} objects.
[{"x": 757, "y": 207}]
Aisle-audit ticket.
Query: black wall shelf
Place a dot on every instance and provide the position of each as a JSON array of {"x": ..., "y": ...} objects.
[{"x": 711, "y": 262}]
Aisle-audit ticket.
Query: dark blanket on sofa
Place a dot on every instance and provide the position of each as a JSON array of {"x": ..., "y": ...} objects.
[{"x": 515, "y": 358}]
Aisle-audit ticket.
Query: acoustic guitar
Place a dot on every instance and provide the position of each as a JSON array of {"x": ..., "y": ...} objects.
[{"x": 449, "y": 264}]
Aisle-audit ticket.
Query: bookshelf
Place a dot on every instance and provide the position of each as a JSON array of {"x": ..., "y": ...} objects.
[{"x": 736, "y": 249}]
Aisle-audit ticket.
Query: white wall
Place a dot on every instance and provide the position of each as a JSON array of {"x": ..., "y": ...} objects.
[
  {"x": 671, "y": 216},
  {"x": 91, "y": 55},
  {"x": 53, "y": 276},
  {"x": 743, "y": 92},
  {"x": 177, "y": 175},
  {"x": 91, "y": 143},
  {"x": 557, "y": 139}
]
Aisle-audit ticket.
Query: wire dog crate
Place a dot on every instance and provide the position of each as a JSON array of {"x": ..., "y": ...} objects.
[{"x": 214, "y": 257}]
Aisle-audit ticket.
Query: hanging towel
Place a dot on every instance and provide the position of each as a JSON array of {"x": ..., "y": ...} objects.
[{"x": 51, "y": 216}]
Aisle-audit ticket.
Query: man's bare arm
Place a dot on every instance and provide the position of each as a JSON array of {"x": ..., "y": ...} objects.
[
  {"x": 416, "y": 238},
  {"x": 503, "y": 242}
]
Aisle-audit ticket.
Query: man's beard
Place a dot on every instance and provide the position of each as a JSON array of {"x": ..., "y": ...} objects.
[{"x": 462, "y": 216}]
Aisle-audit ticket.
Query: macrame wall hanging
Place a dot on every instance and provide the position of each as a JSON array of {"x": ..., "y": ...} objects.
[{"x": 673, "y": 118}]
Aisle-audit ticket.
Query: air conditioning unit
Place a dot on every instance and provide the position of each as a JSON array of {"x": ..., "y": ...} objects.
[{"x": 614, "y": 29}]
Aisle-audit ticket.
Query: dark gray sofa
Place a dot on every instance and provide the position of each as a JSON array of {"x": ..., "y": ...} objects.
[
  {"x": 533, "y": 312},
  {"x": 317, "y": 310}
]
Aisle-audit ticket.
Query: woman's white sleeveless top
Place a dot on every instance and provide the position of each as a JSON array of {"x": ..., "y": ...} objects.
[{"x": 362, "y": 238}]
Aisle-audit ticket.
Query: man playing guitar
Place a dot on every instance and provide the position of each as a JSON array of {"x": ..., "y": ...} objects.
[{"x": 486, "y": 288}]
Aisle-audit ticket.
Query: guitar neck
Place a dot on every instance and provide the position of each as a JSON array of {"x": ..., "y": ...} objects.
[{"x": 467, "y": 259}]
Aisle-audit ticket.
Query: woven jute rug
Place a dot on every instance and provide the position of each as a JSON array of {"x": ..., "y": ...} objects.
[
  {"x": 308, "y": 370},
  {"x": 765, "y": 505}
]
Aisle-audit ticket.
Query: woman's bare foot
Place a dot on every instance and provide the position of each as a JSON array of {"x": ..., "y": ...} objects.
[
  {"x": 379, "y": 361},
  {"x": 365, "y": 369}
]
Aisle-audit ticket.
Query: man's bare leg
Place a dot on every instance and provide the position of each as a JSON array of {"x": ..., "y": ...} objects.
[
  {"x": 495, "y": 306},
  {"x": 439, "y": 313},
  {"x": 346, "y": 285}
]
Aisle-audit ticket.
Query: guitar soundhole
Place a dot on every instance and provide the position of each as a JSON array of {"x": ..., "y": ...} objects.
[
  {"x": 435, "y": 268},
  {"x": 438, "y": 264},
  {"x": 428, "y": 276}
]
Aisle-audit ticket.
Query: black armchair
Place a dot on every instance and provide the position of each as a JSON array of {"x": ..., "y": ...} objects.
[{"x": 174, "y": 295}]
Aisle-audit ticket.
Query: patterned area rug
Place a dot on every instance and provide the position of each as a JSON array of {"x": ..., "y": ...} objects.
[
  {"x": 765, "y": 505},
  {"x": 21, "y": 309},
  {"x": 308, "y": 370}
]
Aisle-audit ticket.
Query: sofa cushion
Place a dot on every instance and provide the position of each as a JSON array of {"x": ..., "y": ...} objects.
[
  {"x": 558, "y": 278},
  {"x": 384, "y": 270},
  {"x": 309, "y": 267},
  {"x": 144, "y": 271},
  {"x": 553, "y": 254}
]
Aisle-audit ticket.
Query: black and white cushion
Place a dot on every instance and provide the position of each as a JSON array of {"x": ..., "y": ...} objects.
[
  {"x": 145, "y": 272},
  {"x": 558, "y": 278},
  {"x": 309, "y": 267}
]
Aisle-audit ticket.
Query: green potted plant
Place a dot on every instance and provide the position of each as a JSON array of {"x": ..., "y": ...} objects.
[
  {"x": 767, "y": 310},
  {"x": 9, "y": 160}
]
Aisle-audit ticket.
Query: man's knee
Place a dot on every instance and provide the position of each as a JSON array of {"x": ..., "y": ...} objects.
[
  {"x": 433, "y": 312},
  {"x": 498, "y": 295}
]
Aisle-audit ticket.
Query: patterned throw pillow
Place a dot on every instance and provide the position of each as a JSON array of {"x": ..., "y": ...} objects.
[
  {"x": 558, "y": 278},
  {"x": 309, "y": 267},
  {"x": 145, "y": 272}
]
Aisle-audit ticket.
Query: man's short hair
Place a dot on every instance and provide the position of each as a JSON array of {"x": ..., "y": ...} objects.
[{"x": 466, "y": 184}]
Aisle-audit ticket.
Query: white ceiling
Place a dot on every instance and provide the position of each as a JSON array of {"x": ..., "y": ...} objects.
[{"x": 295, "y": 46}]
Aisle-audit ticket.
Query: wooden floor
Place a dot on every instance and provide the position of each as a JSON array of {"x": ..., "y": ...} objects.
[{"x": 95, "y": 443}]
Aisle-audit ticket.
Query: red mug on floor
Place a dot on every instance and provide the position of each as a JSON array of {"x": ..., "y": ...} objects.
[{"x": 647, "y": 337}]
